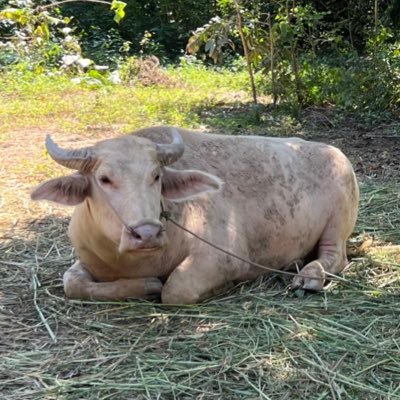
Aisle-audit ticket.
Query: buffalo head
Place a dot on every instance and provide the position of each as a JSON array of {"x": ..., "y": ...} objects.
[{"x": 122, "y": 182}]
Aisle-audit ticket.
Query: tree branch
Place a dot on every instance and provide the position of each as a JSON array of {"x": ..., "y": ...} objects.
[{"x": 246, "y": 52}]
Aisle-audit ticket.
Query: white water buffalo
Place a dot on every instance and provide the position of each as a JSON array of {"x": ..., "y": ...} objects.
[{"x": 269, "y": 200}]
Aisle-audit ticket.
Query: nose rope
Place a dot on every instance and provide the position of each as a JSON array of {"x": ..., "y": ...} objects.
[
  {"x": 103, "y": 195},
  {"x": 167, "y": 216}
]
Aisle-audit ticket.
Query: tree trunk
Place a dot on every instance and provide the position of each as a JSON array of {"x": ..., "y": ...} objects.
[{"x": 246, "y": 52}]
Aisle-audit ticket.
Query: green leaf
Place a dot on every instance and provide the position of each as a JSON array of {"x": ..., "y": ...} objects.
[
  {"x": 54, "y": 21},
  {"x": 42, "y": 31},
  {"x": 118, "y": 7},
  {"x": 98, "y": 76},
  {"x": 15, "y": 15}
]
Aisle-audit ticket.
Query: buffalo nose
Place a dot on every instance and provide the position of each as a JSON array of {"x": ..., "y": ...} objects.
[{"x": 146, "y": 232}]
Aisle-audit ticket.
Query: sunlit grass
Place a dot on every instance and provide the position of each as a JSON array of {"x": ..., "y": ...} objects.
[{"x": 42, "y": 101}]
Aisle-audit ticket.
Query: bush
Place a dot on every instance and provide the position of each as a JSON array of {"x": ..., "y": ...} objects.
[
  {"x": 308, "y": 57},
  {"x": 39, "y": 38},
  {"x": 145, "y": 71}
]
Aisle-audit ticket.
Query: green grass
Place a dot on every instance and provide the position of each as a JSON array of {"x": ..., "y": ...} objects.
[
  {"x": 380, "y": 212},
  {"x": 45, "y": 101}
]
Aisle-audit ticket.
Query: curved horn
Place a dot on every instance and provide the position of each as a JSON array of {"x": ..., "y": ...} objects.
[
  {"x": 80, "y": 159},
  {"x": 169, "y": 153}
]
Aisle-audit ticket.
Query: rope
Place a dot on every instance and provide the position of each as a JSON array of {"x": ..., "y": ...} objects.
[{"x": 167, "y": 216}]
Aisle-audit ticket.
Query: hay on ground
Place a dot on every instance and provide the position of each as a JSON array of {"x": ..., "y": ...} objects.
[{"x": 259, "y": 341}]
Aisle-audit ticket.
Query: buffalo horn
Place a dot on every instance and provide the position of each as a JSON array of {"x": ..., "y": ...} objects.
[
  {"x": 80, "y": 159},
  {"x": 169, "y": 153}
]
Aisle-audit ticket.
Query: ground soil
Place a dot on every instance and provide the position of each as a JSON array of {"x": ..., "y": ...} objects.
[{"x": 375, "y": 155}]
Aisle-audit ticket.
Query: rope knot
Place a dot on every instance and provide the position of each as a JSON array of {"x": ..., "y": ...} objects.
[{"x": 165, "y": 214}]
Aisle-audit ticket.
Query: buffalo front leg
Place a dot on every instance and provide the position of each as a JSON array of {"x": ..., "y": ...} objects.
[
  {"x": 194, "y": 280},
  {"x": 79, "y": 284}
]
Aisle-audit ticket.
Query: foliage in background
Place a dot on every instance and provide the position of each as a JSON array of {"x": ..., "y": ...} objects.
[
  {"x": 37, "y": 37},
  {"x": 311, "y": 55},
  {"x": 305, "y": 53},
  {"x": 153, "y": 27}
]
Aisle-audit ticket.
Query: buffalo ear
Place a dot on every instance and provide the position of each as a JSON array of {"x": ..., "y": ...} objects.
[
  {"x": 68, "y": 190},
  {"x": 188, "y": 184}
]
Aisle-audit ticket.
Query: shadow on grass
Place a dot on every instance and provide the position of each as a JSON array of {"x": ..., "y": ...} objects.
[
  {"x": 246, "y": 118},
  {"x": 40, "y": 246}
]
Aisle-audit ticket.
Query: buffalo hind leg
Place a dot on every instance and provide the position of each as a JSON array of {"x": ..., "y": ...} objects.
[
  {"x": 331, "y": 258},
  {"x": 332, "y": 244},
  {"x": 79, "y": 284}
]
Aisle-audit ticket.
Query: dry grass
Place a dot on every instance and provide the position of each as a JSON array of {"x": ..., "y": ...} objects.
[
  {"x": 259, "y": 341},
  {"x": 150, "y": 73}
]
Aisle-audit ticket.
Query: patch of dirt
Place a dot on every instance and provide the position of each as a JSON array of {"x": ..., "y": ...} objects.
[
  {"x": 374, "y": 152},
  {"x": 23, "y": 165},
  {"x": 375, "y": 155}
]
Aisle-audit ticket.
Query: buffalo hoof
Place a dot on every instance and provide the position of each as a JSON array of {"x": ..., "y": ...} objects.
[
  {"x": 152, "y": 286},
  {"x": 311, "y": 277}
]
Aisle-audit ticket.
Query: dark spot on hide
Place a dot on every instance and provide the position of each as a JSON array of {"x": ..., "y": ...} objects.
[
  {"x": 291, "y": 205},
  {"x": 273, "y": 214}
]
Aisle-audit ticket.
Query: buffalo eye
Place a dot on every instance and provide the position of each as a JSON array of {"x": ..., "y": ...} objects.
[
  {"x": 105, "y": 180},
  {"x": 156, "y": 175}
]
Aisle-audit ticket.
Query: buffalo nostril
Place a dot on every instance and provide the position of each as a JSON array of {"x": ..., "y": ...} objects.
[
  {"x": 134, "y": 234},
  {"x": 146, "y": 232}
]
